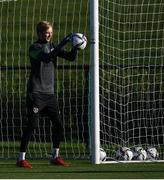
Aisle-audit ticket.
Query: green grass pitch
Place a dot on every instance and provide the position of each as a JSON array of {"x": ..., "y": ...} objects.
[{"x": 81, "y": 169}]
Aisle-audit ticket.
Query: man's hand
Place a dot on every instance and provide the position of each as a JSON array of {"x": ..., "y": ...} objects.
[{"x": 68, "y": 37}]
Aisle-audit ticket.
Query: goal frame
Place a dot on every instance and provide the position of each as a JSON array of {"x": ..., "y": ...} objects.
[
  {"x": 94, "y": 101},
  {"x": 94, "y": 82}
]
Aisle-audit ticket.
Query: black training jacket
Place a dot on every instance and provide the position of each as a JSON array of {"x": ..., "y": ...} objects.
[{"x": 43, "y": 58}]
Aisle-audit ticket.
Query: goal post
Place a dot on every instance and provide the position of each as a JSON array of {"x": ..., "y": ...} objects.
[{"x": 94, "y": 82}]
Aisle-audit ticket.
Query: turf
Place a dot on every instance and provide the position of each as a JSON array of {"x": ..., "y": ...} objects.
[{"x": 81, "y": 169}]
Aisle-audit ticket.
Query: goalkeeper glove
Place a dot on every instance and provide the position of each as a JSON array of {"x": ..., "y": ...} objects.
[{"x": 68, "y": 37}]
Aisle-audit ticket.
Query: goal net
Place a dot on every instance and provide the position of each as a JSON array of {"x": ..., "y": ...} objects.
[
  {"x": 131, "y": 62},
  {"x": 18, "y": 19}
]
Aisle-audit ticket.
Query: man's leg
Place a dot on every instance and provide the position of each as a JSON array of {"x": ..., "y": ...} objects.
[
  {"x": 33, "y": 117},
  {"x": 31, "y": 125},
  {"x": 57, "y": 131}
]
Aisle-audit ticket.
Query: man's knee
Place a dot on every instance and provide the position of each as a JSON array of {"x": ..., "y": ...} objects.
[
  {"x": 57, "y": 126},
  {"x": 33, "y": 120}
]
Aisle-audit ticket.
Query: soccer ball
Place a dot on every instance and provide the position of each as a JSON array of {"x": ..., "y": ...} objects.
[
  {"x": 124, "y": 153},
  {"x": 79, "y": 40},
  {"x": 139, "y": 153},
  {"x": 152, "y": 153},
  {"x": 102, "y": 154}
]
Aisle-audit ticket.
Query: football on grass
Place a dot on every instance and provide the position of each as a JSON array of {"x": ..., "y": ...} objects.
[
  {"x": 139, "y": 153},
  {"x": 124, "y": 153},
  {"x": 102, "y": 154},
  {"x": 152, "y": 153}
]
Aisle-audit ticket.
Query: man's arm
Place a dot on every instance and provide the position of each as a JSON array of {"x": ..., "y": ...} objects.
[
  {"x": 57, "y": 51},
  {"x": 37, "y": 52},
  {"x": 71, "y": 55}
]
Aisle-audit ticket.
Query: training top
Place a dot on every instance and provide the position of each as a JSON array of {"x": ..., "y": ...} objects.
[{"x": 43, "y": 58}]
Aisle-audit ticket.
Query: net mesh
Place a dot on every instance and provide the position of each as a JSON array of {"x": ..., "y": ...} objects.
[
  {"x": 131, "y": 74},
  {"x": 18, "y": 20}
]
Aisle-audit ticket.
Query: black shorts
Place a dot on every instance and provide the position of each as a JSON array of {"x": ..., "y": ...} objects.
[{"x": 44, "y": 105}]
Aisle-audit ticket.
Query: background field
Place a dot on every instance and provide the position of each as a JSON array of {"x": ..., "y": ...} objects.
[{"x": 18, "y": 20}]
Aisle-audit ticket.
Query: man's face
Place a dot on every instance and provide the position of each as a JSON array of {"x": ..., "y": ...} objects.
[{"x": 46, "y": 35}]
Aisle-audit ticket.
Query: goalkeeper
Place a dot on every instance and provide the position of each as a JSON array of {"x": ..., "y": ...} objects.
[{"x": 41, "y": 91}]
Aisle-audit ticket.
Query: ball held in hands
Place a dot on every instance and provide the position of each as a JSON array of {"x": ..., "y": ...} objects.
[{"x": 79, "y": 40}]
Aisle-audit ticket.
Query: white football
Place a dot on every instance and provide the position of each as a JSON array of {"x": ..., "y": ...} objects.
[
  {"x": 152, "y": 153},
  {"x": 79, "y": 40},
  {"x": 139, "y": 153},
  {"x": 124, "y": 153},
  {"x": 102, "y": 154}
]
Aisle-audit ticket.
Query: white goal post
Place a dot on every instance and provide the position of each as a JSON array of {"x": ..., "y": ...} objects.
[{"x": 94, "y": 82}]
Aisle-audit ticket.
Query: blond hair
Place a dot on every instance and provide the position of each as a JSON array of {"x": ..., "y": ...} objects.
[{"x": 42, "y": 26}]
